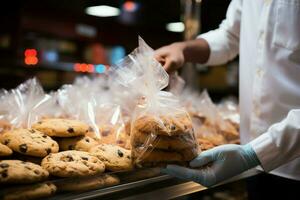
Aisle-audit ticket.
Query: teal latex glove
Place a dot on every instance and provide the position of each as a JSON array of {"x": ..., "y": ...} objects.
[{"x": 217, "y": 164}]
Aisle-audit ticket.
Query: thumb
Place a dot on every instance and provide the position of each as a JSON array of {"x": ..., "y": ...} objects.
[
  {"x": 167, "y": 65},
  {"x": 203, "y": 159}
]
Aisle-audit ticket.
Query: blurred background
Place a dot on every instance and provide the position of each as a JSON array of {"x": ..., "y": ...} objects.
[{"x": 57, "y": 40}]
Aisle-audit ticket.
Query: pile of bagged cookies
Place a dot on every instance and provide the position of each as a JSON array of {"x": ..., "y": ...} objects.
[
  {"x": 163, "y": 139},
  {"x": 213, "y": 124},
  {"x": 83, "y": 135}
]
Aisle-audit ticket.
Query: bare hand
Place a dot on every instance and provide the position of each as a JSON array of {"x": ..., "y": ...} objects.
[{"x": 171, "y": 56}]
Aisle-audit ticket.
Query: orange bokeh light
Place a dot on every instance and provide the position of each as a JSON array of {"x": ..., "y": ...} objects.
[
  {"x": 30, "y": 52},
  {"x": 84, "y": 67},
  {"x": 31, "y": 60},
  {"x": 129, "y": 6},
  {"x": 91, "y": 68},
  {"x": 76, "y": 67}
]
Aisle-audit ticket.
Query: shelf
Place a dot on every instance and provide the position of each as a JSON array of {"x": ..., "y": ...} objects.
[{"x": 163, "y": 186}]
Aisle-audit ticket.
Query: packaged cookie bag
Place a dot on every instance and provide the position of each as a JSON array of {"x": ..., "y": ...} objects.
[
  {"x": 18, "y": 105},
  {"x": 210, "y": 127},
  {"x": 111, "y": 125},
  {"x": 161, "y": 129},
  {"x": 78, "y": 103}
]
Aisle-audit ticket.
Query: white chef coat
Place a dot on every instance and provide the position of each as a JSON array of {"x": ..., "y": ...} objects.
[{"x": 266, "y": 34}]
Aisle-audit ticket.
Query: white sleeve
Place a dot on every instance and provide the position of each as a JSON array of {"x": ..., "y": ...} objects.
[
  {"x": 280, "y": 144},
  {"x": 224, "y": 41}
]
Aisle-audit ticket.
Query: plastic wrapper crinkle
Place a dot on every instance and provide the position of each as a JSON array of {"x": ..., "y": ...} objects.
[
  {"x": 211, "y": 128},
  {"x": 26, "y": 104},
  {"x": 91, "y": 101},
  {"x": 161, "y": 129}
]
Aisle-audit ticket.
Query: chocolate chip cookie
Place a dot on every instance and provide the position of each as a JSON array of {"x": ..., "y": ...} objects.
[
  {"x": 177, "y": 142},
  {"x": 29, "y": 142},
  {"x": 61, "y": 127},
  {"x": 35, "y": 191},
  {"x": 151, "y": 155},
  {"x": 80, "y": 143},
  {"x": 72, "y": 163},
  {"x": 114, "y": 157},
  {"x": 88, "y": 183},
  {"x": 168, "y": 125},
  {"x": 5, "y": 150},
  {"x": 16, "y": 171}
]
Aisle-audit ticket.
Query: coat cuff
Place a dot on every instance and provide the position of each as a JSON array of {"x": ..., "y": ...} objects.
[
  {"x": 266, "y": 151},
  {"x": 216, "y": 55}
]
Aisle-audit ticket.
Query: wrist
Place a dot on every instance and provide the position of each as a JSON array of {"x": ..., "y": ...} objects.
[
  {"x": 250, "y": 156},
  {"x": 182, "y": 46}
]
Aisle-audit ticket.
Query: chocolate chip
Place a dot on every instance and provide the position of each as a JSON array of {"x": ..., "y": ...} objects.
[
  {"x": 173, "y": 128},
  {"x": 48, "y": 150},
  {"x": 36, "y": 171},
  {"x": 23, "y": 148},
  {"x": 120, "y": 153},
  {"x": 43, "y": 141},
  {"x": 87, "y": 140},
  {"x": 128, "y": 157},
  {"x": 70, "y": 158},
  {"x": 52, "y": 190},
  {"x": 39, "y": 122},
  {"x": 120, "y": 142},
  {"x": 105, "y": 133},
  {"x": 84, "y": 158},
  {"x": 52, "y": 145},
  {"x": 44, "y": 136},
  {"x": 85, "y": 163},
  {"x": 4, "y": 174},
  {"x": 71, "y": 147},
  {"x": 4, "y": 165},
  {"x": 6, "y": 141},
  {"x": 70, "y": 130},
  {"x": 32, "y": 131}
]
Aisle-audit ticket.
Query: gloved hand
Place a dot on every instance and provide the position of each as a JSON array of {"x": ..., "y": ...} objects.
[{"x": 217, "y": 164}]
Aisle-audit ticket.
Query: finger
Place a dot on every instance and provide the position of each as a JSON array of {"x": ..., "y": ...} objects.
[
  {"x": 204, "y": 177},
  {"x": 203, "y": 159},
  {"x": 161, "y": 60},
  {"x": 181, "y": 172},
  {"x": 169, "y": 66},
  {"x": 161, "y": 52}
]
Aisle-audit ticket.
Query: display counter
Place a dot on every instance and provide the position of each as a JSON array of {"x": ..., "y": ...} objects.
[{"x": 161, "y": 186}]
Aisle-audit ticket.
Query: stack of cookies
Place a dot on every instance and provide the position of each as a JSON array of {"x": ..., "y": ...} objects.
[
  {"x": 28, "y": 144},
  {"x": 60, "y": 148},
  {"x": 159, "y": 140}
]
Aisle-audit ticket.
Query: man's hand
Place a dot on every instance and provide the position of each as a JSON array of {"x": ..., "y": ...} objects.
[
  {"x": 217, "y": 164},
  {"x": 171, "y": 56}
]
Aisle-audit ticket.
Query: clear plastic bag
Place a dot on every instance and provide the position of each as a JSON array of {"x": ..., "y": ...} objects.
[
  {"x": 176, "y": 84},
  {"x": 161, "y": 129},
  {"x": 90, "y": 100},
  {"x": 4, "y": 123},
  {"x": 25, "y": 104},
  {"x": 229, "y": 111},
  {"x": 210, "y": 127},
  {"x": 111, "y": 125},
  {"x": 78, "y": 101}
]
